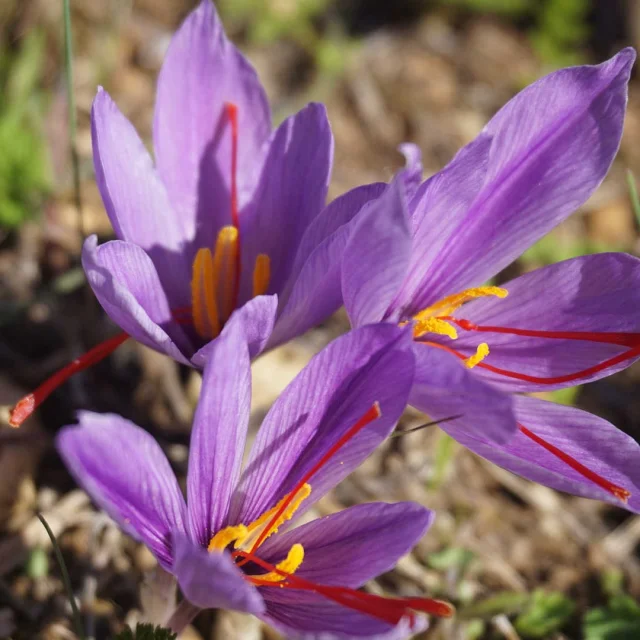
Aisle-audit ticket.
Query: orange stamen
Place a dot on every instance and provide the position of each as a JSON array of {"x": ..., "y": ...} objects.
[
  {"x": 391, "y": 610},
  {"x": 615, "y": 490},
  {"x": 27, "y": 405}
]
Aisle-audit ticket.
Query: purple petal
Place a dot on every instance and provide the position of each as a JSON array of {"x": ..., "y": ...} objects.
[
  {"x": 302, "y": 616},
  {"x": 314, "y": 291},
  {"x": 590, "y": 440},
  {"x": 135, "y": 198},
  {"x": 212, "y": 580},
  {"x": 597, "y": 293},
  {"x": 552, "y": 146},
  {"x": 338, "y": 386},
  {"x": 356, "y": 545},
  {"x": 291, "y": 192},
  {"x": 444, "y": 388},
  {"x": 257, "y": 318},
  {"x": 436, "y": 209},
  {"x": 219, "y": 432},
  {"x": 412, "y": 173},
  {"x": 377, "y": 256},
  {"x": 191, "y": 132},
  {"x": 125, "y": 281},
  {"x": 138, "y": 489}
]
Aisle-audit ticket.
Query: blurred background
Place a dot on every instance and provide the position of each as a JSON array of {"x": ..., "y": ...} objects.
[{"x": 518, "y": 560}]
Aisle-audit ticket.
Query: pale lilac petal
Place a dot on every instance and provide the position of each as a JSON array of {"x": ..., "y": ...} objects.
[
  {"x": 377, "y": 256},
  {"x": 203, "y": 70},
  {"x": 219, "y": 432},
  {"x": 302, "y": 616},
  {"x": 314, "y": 290},
  {"x": 257, "y": 318},
  {"x": 135, "y": 198},
  {"x": 212, "y": 580},
  {"x": 339, "y": 385},
  {"x": 355, "y": 545},
  {"x": 126, "y": 473},
  {"x": 126, "y": 284},
  {"x": 444, "y": 388},
  {"x": 412, "y": 172},
  {"x": 291, "y": 192},
  {"x": 436, "y": 209},
  {"x": 590, "y": 440},
  {"x": 551, "y": 147},
  {"x": 597, "y": 293}
]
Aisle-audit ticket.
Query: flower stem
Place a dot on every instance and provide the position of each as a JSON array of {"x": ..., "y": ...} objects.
[{"x": 183, "y": 614}]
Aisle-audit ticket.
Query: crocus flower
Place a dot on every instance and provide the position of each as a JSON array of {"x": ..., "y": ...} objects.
[
  {"x": 231, "y": 214},
  {"x": 420, "y": 254},
  {"x": 224, "y": 546}
]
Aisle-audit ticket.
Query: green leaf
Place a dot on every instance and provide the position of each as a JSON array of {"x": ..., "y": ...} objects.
[
  {"x": 37, "y": 564},
  {"x": 452, "y": 558},
  {"x": 620, "y": 620},
  {"x": 546, "y": 613},
  {"x": 146, "y": 632},
  {"x": 505, "y": 602}
]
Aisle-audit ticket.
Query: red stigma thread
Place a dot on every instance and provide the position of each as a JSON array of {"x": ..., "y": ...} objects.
[
  {"x": 391, "y": 610},
  {"x": 616, "y": 491},
  {"x": 570, "y": 377},
  {"x": 27, "y": 405},
  {"x": 622, "y": 339},
  {"x": 373, "y": 413},
  {"x": 232, "y": 114}
]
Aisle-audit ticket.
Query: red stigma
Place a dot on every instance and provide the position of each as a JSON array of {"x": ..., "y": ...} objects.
[
  {"x": 232, "y": 115},
  {"x": 609, "y": 338},
  {"x": 390, "y": 610},
  {"x": 616, "y": 491},
  {"x": 373, "y": 413},
  {"x": 27, "y": 405}
]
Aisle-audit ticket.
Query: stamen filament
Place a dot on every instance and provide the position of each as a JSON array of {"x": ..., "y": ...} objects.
[
  {"x": 372, "y": 414},
  {"x": 225, "y": 268},
  {"x": 391, "y": 610},
  {"x": 288, "y": 566},
  {"x": 261, "y": 275},
  {"x": 27, "y": 405},
  {"x": 615, "y": 490}
]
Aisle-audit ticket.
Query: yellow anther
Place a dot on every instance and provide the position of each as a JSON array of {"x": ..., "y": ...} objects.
[
  {"x": 261, "y": 275},
  {"x": 434, "y": 325},
  {"x": 448, "y": 305},
  {"x": 203, "y": 296},
  {"x": 289, "y": 565},
  {"x": 224, "y": 268},
  {"x": 226, "y": 536},
  {"x": 481, "y": 353},
  {"x": 256, "y": 528}
]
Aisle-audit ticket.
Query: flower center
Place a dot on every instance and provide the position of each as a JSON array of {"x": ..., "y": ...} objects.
[
  {"x": 250, "y": 537},
  {"x": 215, "y": 280},
  {"x": 437, "y": 319}
]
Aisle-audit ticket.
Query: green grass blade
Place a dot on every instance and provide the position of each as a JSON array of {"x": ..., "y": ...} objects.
[{"x": 77, "y": 620}]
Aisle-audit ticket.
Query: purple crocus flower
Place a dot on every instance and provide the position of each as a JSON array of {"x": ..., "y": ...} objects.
[
  {"x": 421, "y": 253},
  {"x": 224, "y": 546},
  {"x": 231, "y": 215}
]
